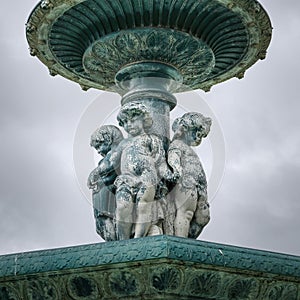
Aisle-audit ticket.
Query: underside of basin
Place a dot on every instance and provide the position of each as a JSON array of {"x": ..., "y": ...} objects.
[{"x": 204, "y": 42}]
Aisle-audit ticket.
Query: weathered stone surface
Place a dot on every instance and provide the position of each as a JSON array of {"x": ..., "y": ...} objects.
[
  {"x": 101, "y": 180},
  {"x": 190, "y": 192},
  {"x": 145, "y": 185},
  {"x": 160, "y": 267}
]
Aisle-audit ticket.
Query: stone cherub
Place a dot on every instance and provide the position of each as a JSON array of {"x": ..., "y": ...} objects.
[
  {"x": 101, "y": 180},
  {"x": 190, "y": 192},
  {"x": 142, "y": 165}
]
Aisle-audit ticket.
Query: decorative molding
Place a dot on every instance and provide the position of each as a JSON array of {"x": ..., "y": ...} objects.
[
  {"x": 156, "y": 247},
  {"x": 151, "y": 268},
  {"x": 149, "y": 45},
  {"x": 82, "y": 286},
  {"x": 202, "y": 283},
  {"x": 166, "y": 279},
  {"x": 238, "y": 33}
]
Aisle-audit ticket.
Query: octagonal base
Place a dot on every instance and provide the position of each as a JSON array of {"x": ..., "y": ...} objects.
[{"x": 160, "y": 267}]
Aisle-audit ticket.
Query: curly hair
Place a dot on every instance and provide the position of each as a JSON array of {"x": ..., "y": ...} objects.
[
  {"x": 133, "y": 109},
  {"x": 109, "y": 133},
  {"x": 189, "y": 121}
]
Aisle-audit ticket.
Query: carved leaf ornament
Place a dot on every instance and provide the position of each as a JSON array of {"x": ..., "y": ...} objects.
[{"x": 207, "y": 41}]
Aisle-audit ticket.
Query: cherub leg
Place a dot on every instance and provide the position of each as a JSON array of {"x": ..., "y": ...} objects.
[
  {"x": 200, "y": 219},
  {"x": 105, "y": 227},
  {"x": 144, "y": 210},
  {"x": 202, "y": 213},
  {"x": 110, "y": 230},
  {"x": 124, "y": 214},
  {"x": 186, "y": 203}
]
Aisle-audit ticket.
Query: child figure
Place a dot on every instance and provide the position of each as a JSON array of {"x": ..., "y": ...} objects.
[
  {"x": 101, "y": 180},
  {"x": 142, "y": 165},
  {"x": 190, "y": 192}
]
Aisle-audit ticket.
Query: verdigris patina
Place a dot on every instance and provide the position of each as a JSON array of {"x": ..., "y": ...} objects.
[
  {"x": 89, "y": 41},
  {"x": 148, "y": 183},
  {"x": 190, "y": 195},
  {"x": 101, "y": 180},
  {"x": 142, "y": 165},
  {"x": 149, "y": 191},
  {"x": 158, "y": 267}
]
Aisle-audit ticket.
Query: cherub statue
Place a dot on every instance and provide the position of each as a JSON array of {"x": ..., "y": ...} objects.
[
  {"x": 142, "y": 165},
  {"x": 101, "y": 180},
  {"x": 190, "y": 192}
]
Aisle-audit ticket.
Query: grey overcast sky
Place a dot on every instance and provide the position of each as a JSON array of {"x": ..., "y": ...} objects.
[{"x": 258, "y": 204}]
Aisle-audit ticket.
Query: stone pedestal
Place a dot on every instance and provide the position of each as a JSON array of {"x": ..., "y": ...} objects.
[{"x": 160, "y": 267}]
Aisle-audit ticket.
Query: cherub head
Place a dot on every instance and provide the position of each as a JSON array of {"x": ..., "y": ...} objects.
[
  {"x": 135, "y": 118},
  {"x": 105, "y": 137},
  {"x": 191, "y": 128}
]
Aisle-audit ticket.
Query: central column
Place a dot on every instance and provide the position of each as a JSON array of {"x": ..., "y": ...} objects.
[{"x": 152, "y": 84}]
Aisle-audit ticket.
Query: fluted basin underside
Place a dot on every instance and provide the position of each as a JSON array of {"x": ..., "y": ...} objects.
[{"x": 206, "y": 41}]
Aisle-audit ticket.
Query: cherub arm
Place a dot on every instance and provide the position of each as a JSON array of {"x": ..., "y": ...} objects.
[
  {"x": 100, "y": 173},
  {"x": 160, "y": 159},
  {"x": 115, "y": 154},
  {"x": 165, "y": 172},
  {"x": 174, "y": 161},
  {"x": 105, "y": 171},
  {"x": 93, "y": 179}
]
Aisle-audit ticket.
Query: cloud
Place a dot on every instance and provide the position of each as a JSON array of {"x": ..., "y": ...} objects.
[{"x": 258, "y": 204}]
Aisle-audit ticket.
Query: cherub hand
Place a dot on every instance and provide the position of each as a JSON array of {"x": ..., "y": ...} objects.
[
  {"x": 92, "y": 181},
  {"x": 91, "y": 185},
  {"x": 177, "y": 174},
  {"x": 169, "y": 176}
]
